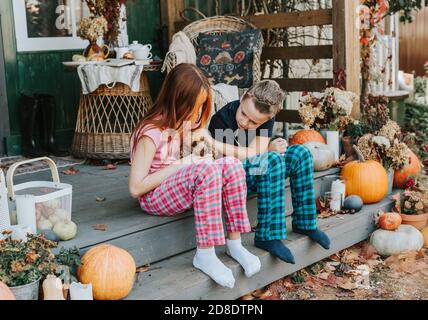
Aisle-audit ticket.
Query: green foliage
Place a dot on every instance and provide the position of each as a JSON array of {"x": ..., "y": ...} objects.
[
  {"x": 405, "y": 7},
  {"x": 70, "y": 258},
  {"x": 416, "y": 121},
  {"x": 24, "y": 262},
  {"x": 420, "y": 86}
]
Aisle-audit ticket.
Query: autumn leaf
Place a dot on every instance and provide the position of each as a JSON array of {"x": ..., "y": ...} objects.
[
  {"x": 367, "y": 251},
  {"x": 71, "y": 171},
  {"x": 142, "y": 269},
  {"x": 110, "y": 166},
  {"x": 100, "y": 227}
]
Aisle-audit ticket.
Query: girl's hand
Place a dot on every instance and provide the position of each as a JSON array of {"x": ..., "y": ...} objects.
[{"x": 278, "y": 145}]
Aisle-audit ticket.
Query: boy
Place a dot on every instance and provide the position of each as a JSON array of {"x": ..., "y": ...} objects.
[{"x": 244, "y": 129}]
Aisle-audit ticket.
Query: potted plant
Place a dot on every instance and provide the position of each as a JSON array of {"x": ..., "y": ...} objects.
[
  {"x": 329, "y": 113},
  {"x": 24, "y": 263},
  {"x": 91, "y": 29},
  {"x": 412, "y": 205}
]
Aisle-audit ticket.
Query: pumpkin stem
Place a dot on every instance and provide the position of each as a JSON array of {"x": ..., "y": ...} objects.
[{"x": 359, "y": 153}]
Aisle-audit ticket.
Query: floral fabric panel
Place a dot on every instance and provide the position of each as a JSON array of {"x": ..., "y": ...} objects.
[{"x": 228, "y": 58}]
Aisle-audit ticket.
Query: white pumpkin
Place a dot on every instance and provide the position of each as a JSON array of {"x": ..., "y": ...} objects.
[
  {"x": 54, "y": 219},
  {"x": 65, "y": 230},
  {"x": 54, "y": 204},
  {"x": 62, "y": 214},
  {"x": 44, "y": 224},
  {"x": 323, "y": 155},
  {"x": 405, "y": 238}
]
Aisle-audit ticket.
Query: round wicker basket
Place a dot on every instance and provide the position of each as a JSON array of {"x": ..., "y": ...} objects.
[{"x": 106, "y": 118}]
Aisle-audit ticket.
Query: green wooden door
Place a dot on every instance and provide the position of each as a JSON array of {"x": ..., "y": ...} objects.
[{"x": 4, "y": 112}]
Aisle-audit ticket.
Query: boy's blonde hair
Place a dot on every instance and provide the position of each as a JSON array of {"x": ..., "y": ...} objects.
[{"x": 267, "y": 96}]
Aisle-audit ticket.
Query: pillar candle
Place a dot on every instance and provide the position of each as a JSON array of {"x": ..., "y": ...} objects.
[{"x": 80, "y": 291}]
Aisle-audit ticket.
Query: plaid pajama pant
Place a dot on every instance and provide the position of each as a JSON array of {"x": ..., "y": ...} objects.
[
  {"x": 204, "y": 187},
  {"x": 266, "y": 174}
]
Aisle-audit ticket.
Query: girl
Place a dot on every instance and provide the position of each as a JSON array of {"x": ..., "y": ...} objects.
[{"x": 166, "y": 185}]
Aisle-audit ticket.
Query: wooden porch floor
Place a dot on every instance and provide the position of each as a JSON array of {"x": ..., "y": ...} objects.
[{"x": 167, "y": 243}]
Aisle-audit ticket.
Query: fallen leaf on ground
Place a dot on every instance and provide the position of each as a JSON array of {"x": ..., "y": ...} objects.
[
  {"x": 110, "y": 166},
  {"x": 100, "y": 227},
  {"x": 367, "y": 251},
  {"x": 70, "y": 171},
  {"x": 347, "y": 284},
  {"x": 100, "y": 199},
  {"x": 142, "y": 269}
]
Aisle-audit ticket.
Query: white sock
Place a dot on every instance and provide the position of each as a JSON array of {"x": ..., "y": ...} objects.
[
  {"x": 207, "y": 261},
  {"x": 246, "y": 259}
]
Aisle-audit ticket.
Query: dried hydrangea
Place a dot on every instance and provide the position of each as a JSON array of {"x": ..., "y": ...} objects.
[
  {"x": 390, "y": 130},
  {"x": 309, "y": 110},
  {"x": 366, "y": 147},
  {"x": 92, "y": 28},
  {"x": 398, "y": 154},
  {"x": 382, "y": 142}
]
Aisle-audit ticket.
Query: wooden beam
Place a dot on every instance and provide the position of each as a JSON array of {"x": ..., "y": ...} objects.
[
  {"x": 346, "y": 45},
  {"x": 301, "y": 52},
  {"x": 292, "y": 19},
  {"x": 170, "y": 14},
  {"x": 289, "y": 116},
  {"x": 310, "y": 85}
]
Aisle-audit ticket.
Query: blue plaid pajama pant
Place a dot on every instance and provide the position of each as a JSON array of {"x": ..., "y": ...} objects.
[{"x": 266, "y": 175}]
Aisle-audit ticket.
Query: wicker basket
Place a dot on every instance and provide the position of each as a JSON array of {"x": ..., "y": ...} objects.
[
  {"x": 106, "y": 119},
  {"x": 224, "y": 24}
]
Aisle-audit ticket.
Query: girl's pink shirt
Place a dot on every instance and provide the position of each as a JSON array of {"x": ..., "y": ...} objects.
[{"x": 167, "y": 145}]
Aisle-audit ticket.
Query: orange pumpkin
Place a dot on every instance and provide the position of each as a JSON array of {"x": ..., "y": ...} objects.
[
  {"x": 366, "y": 179},
  {"x": 6, "y": 293},
  {"x": 414, "y": 167},
  {"x": 303, "y": 136},
  {"x": 389, "y": 221},
  {"x": 110, "y": 269}
]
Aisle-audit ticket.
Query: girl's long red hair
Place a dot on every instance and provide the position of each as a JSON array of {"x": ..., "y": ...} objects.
[{"x": 176, "y": 103}]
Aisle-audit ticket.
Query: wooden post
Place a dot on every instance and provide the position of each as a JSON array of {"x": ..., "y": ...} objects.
[
  {"x": 4, "y": 110},
  {"x": 346, "y": 44},
  {"x": 170, "y": 14}
]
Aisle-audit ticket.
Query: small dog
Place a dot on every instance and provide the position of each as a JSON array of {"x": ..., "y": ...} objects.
[{"x": 200, "y": 148}]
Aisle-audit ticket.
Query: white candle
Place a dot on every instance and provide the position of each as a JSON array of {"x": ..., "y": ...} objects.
[
  {"x": 26, "y": 211},
  {"x": 335, "y": 203},
  {"x": 333, "y": 142},
  {"x": 80, "y": 291},
  {"x": 338, "y": 186}
]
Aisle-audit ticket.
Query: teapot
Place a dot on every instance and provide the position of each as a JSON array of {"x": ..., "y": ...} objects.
[{"x": 141, "y": 52}]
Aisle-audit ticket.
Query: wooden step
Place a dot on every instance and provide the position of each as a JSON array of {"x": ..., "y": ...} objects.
[
  {"x": 175, "y": 278},
  {"x": 147, "y": 238}
]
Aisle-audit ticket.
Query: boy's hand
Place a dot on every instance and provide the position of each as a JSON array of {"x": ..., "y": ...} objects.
[{"x": 278, "y": 145}]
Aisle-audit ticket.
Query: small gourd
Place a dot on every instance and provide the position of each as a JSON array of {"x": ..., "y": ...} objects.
[
  {"x": 389, "y": 220},
  {"x": 5, "y": 292},
  {"x": 353, "y": 203},
  {"x": 322, "y": 155},
  {"x": 425, "y": 235},
  {"x": 52, "y": 288}
]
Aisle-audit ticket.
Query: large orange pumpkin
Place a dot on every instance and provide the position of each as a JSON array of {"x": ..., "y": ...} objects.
[
  {"x": 6, "y": 293},
  {"x": 110, "y": 269},
  {"x": 303, "y": 136},
  {"x": 389, "y": 221},
  {"x": 414, "y": 167},
  {"x": 366, "y": 179}
]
